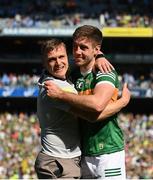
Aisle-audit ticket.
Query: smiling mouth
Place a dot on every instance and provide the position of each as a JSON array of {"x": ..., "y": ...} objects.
[
  {"x": 59, "y": 68},
  {"x": 78, "y": 59}
]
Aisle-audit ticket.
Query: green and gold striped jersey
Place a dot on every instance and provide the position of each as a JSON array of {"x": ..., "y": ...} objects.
[{"x": 106, "y": 136}]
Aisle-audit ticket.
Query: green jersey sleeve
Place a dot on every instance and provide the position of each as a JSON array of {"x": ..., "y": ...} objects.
[{"x": 110, "y": 78}]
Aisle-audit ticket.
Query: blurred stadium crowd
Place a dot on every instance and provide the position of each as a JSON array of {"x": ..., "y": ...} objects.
[
  {"x": 70, "y": 13},
  {"x": 138, "y": 131},
  {"x": 19, "y": 145},
  {"x": 141, "y": 85}
]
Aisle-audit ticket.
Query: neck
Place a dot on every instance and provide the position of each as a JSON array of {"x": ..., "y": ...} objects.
[{"x": 87, "y": 67}]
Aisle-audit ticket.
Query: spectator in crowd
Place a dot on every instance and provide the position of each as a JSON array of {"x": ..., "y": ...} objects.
[
  {"x": 129, "y": 79},
  {"x": 149, "y": 92}
]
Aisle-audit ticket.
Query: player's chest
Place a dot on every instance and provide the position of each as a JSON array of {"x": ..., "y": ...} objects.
[{"x": 86, "y": 85}]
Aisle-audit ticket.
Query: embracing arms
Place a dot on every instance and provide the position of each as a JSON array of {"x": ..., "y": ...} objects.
[
  {"x": 110, "y": 109},
  {"x": 94, "y": 102},
  {"x": 85, "y": 109}
]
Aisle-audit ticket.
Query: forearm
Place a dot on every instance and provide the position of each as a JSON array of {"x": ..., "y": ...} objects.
[
  {"x": 111, "y": 109},
  {"x": 86, "y": 102},
  {"x": 116, "y": 106},
  {"x": 85, "y": 115}
]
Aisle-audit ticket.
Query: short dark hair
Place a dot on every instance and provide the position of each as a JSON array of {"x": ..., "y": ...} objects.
[
  {"x": 90, "y": 32},
  {"x": 50, "y": 45}
]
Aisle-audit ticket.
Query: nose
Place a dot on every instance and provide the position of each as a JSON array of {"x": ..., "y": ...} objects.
[
  {"x": 57, "y": 61},
  {"x": 77, "y": 50}
]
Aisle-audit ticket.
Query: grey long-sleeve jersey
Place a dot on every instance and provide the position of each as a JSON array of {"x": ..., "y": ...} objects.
[{"x": 59, "y": 129}]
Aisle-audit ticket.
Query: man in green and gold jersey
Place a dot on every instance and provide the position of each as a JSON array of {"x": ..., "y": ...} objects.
[{"x": 102, "y": 141}]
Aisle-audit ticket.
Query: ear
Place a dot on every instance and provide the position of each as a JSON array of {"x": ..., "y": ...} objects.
[{"x": 97, "y": 49}]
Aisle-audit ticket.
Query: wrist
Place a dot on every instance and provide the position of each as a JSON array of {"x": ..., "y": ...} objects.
[
  {"x": 124, "y": 101},
  {"x": 100, "y": 56},
  {"x": 61, "y": 95}
]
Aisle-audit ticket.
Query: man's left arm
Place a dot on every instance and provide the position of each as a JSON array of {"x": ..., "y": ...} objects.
[{"x": 102, "y": 63}]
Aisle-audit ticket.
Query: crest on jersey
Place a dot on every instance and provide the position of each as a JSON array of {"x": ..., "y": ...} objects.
[{"x": 80, "y": 85}]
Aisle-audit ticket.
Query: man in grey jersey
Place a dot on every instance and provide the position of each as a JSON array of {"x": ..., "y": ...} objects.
[{"x": 60, "y": 153}]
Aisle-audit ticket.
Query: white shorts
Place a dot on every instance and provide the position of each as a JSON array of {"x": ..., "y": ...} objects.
[{"x": 107, "y": 166}]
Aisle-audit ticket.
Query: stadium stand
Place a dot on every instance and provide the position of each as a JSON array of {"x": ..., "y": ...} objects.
[
  {"x": 25, "y": 85},
  {"x": 62, "y": 13},
  {"x": 128, "y": 38}
]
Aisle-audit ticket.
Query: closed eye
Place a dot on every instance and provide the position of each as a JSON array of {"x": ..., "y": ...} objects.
[
  {"x": 61, "y": 57},
  {"x": 83, "y": 47},
  {"x": 51, "y": 59}
]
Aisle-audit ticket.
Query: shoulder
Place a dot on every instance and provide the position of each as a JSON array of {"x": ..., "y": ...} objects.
[
  {"x": 110, "y": 77},
  {"x": 65, "y": 85},
  {"x": 112, "y": 74}
]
